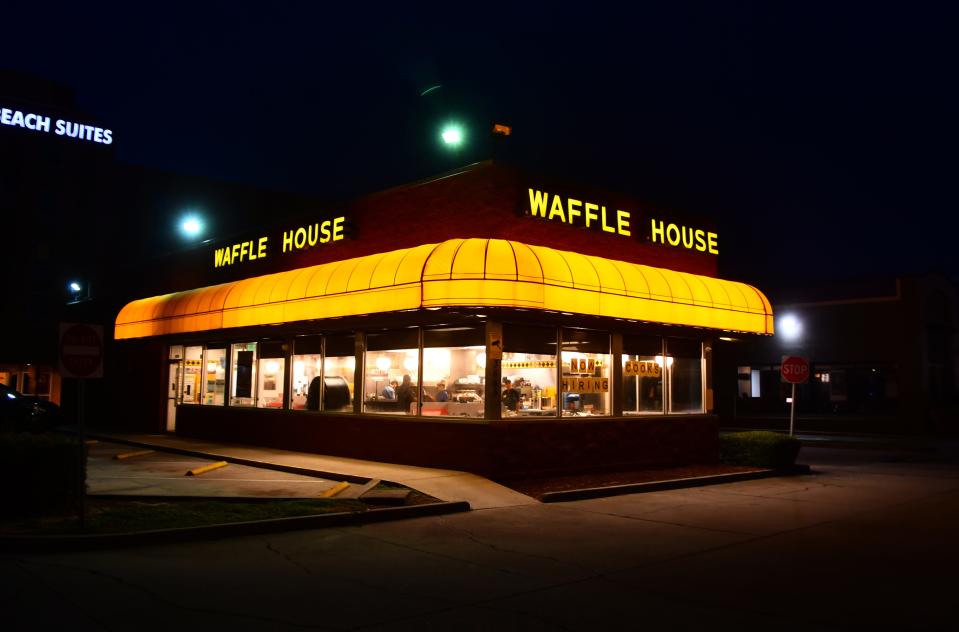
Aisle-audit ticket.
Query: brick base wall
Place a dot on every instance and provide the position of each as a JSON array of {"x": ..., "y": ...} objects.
[{"x": 498, "y": 449}]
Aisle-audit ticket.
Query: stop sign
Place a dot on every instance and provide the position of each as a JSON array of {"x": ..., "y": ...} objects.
[
  {"x": 81, "y": 350},
  {"x": 795, "y": 369}
]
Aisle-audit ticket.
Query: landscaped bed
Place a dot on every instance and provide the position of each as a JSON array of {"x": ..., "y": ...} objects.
[{"x": 110, "y": 515}]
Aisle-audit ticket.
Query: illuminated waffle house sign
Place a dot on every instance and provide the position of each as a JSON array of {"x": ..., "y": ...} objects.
[
  {"x": 299, "y": 238},
  {"x": 595, "y": 215}
]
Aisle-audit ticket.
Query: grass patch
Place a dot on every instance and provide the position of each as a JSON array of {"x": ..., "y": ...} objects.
[{"x": 124, "y": 516}]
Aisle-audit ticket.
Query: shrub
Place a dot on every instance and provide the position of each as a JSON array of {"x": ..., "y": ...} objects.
[
  {"x": 760, "y": 448},
  {"x": 39, "y": 474}
]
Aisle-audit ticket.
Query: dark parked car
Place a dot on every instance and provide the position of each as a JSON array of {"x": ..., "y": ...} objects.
[{"x": 25, "y": 413}]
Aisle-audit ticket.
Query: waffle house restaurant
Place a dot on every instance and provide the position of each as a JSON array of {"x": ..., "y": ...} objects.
[{"x": 485, "y": 320}]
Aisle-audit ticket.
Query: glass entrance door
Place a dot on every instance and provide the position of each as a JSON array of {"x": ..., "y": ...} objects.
[{"x": 173, "y": 393}]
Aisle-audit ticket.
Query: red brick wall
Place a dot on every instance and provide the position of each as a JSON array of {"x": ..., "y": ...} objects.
[
  {"x": 500, "y": 449},
  {"x": 487, "y": 201}
]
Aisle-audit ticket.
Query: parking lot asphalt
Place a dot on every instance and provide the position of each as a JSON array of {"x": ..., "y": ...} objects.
[
  {"x": 865, "y": 542},
  {"x": 164, "y": 474}
]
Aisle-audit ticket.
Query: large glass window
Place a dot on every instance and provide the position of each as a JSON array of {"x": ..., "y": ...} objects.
[
  {"x": 586, "y": 364},
  {"x": 684, "y": 366},
  {"x": 528, "y": 371},
  {"x": 244, "y": 374},
  {"x": 272, "y": 375},
  {"x": 339, "y": 372},
  {"x": 454, "y": 367},
  {"x": 642, "y": 375},
  {"x": 392, "y": 366},
  {"x": 191, "y": 385},
  {"x": 307, "y": 372},
  {"x": 214, "y": 363}
]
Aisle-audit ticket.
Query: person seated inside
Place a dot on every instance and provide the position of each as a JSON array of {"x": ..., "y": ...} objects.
[
  {"x": 442, "y": 395},
  {"x": 389, "y": 392}
]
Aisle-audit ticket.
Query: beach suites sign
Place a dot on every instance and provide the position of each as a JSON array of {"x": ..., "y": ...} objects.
[
  {"x": 57, "y": 127},
  {"x": 592, "y": 215}
]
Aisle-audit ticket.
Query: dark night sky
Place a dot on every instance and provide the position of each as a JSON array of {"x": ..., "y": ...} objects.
[{"x": 822, "y": 138}]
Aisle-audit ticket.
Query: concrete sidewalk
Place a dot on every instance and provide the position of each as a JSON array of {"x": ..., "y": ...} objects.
[{"x": 447, "y": 485}]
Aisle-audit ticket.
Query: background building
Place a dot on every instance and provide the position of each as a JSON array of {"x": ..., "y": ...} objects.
[
  {"x": 884, "y": 358},
  {"x": 73, "y": 214}
]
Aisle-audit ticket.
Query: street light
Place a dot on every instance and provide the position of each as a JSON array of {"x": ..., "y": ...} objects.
[
  {"x": 453, "y": 135},
  {"x": 790, "y": 327},
  {"x": 75, "y": 289},
  {"x": 191, "y": 226}
]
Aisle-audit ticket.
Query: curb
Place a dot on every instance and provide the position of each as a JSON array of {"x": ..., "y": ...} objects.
[
  {"x": 865, "y": 445},
  {"x": 676, "y": 483},
  {"x": 266, "y": 465},
  {"x": 853, "y": 441},
  {"x": 71, "y": 543}
]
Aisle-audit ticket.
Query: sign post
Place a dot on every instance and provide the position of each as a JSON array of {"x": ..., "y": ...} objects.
[
  {"x": 795, "y": 370},
  {"x": 81, "y": 357}
]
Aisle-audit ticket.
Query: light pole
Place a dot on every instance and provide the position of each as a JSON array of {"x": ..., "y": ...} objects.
[{"x": 794, "y": 369}]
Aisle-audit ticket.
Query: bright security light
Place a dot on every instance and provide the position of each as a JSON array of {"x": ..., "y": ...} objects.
[
  {"x": 790, "y": 327},
  {"x": 453, "y": 135},
  {"x": 74, "y": 286},
  {"x": 191, "y": 226}
]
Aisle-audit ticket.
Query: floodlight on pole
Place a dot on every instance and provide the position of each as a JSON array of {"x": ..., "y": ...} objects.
[
  {"x": 191, "y": 226},
  {"x": 790, "y": 327},
  {"x": 452, "y": 135}
]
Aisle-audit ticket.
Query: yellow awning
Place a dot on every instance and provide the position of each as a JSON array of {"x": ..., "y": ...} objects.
[{"x": 457, "y": 273}]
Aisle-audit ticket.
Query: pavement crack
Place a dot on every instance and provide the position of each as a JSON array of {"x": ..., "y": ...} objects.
[
  {"x": 474, "y": 538},
  {"x": 667, "y": 522},
  {"x": 410, "y": 547},
  {"x": 274, "y": 550}
]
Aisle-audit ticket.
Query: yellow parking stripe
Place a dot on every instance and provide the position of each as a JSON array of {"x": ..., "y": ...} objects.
[
  {"x": 128, "y": 455},
  {"x": 333, "y": 491},
  {"x": 206, "y": 468}
]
